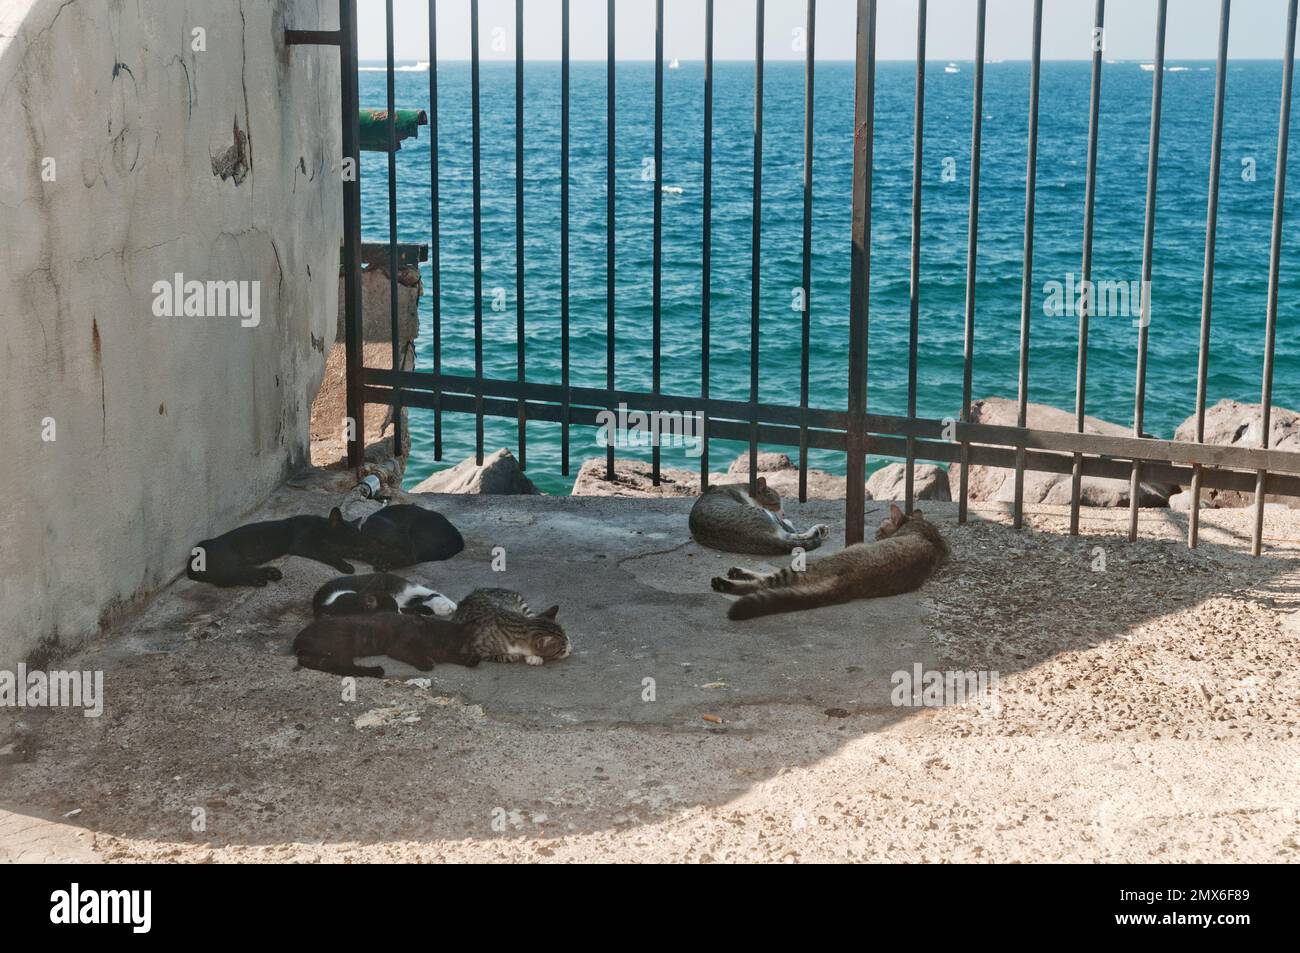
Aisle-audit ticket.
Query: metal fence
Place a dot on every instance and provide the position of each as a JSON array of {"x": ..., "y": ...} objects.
[{"x": 853, "y": 430}]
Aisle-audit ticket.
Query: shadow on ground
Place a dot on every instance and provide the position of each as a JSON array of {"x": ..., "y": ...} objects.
[{"x": 211, "y": 740}]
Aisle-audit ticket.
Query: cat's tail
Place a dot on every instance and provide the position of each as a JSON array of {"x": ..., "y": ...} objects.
[{"x": 788, "y": 599}]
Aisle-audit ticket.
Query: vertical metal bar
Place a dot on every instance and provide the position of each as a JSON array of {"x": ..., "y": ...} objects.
[
  {"x": 755, "y": 271},
  {"x": 1027, "y": 273},
  {"x": 398, "y": 444},
  {"x": 478, "y": 236},
  {"x": 914, "y": 285},
  {"x": 810, "y": 39},
  {"x": 657, "y": 289},
  {"x": 1274, "y": 263},
  {"x": 520, "y": 345},
  {"x": 564, "y": 235},
  {"x": 609, "y": 228},
  {"x": 352, "y": 340},
  {"x": 972, "y": 243},
  {"x": 864, "y": 108},
  {"x": 1207, "y": 273},
  {"x": 435, "y": 242},
  {"x": 1085, "y": 268},
  {"x": 707, "y": 265},
  {"x": 1148, "y": 241}
]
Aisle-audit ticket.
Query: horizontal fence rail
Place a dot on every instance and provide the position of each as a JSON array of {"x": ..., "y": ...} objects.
[{"x": 853, "y": 430}]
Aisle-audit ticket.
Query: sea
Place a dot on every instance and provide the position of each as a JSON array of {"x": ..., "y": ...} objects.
[{"x": 1240, "y": 285}]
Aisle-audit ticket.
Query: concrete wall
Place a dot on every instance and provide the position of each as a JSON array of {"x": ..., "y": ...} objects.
[{"x": 220, "y": 164}]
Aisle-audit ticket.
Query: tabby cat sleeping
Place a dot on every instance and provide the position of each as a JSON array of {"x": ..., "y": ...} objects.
[
  {"x": 906, "y": 551},
  {"x": 506, "y": 630},
  {"x": 726, "y": 517}
]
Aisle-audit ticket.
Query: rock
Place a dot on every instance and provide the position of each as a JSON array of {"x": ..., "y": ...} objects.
[
  {"x": 929, "y": 483},
  {"x": 1230, "y": 423},
  {"x": 997, "y": 484},
  {"x": 767, "y": 463},
  {"x": 499, "y": 475},
  {"x": 633, "y": 478},
  {"x": 782, "y": 475}
]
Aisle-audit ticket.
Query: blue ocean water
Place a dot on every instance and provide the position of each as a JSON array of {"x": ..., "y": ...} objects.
[{"x": 1240, "y": 283}]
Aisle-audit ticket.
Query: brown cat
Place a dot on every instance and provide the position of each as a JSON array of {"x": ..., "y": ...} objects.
[
  {"x": 334, "y": 643},
  {"x": 726, "y": 517},
  {"x": 906, "y": 551}
]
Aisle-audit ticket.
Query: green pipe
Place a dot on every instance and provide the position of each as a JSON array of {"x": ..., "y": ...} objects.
[{"x": 374, "y": 127}]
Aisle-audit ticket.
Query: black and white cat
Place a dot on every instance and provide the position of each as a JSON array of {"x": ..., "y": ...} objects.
[{"x": 379, "y": 592}]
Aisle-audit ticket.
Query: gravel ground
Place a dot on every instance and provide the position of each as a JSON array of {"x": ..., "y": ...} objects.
[{"x": 1146, "y": 710}]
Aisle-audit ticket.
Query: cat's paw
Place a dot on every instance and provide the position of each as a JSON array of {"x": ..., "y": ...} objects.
[
  {"x": 534, "y": 660},
  {"x": 821, "y": 530},
  {"x": 272, "y": 574},
  {"x": 735, "y": 572},
  {"x": 721, "y": 585}
]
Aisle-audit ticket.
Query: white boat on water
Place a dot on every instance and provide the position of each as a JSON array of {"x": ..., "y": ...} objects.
[
  {"x": 675, "y": 64},
  {"x": 951, "y": 68}
]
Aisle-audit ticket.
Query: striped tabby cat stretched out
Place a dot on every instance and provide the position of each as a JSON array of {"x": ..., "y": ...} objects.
[
  {"x": 726, "y": 517},
  {"x": 906, "y": 551}
]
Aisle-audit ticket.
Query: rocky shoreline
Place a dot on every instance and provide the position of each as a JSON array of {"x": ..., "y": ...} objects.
[{"x": 1227, "y": 423}]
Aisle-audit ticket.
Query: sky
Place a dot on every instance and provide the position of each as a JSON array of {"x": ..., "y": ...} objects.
[{"x": 1192, "y": 30}]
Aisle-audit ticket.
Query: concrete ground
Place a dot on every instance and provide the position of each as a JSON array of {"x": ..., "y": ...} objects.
[{"x": 1146, "y": 709}]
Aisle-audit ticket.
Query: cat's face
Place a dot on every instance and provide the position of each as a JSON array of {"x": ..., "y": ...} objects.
[
  {"x": 915, "y": 524},
  {"x": 896, "y": 521},
  {"x": 344, "y": 536},
  {"x": 547, "y": 638},
  {"x": 767, "y": 497}
]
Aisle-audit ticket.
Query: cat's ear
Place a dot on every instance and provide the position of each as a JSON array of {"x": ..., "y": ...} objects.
[
  {"x": 762, "y": 483},
  {"x": 549, "y": 613},
  {"x": 336, "y": 517},
  {"x": 896, "y": 515}
]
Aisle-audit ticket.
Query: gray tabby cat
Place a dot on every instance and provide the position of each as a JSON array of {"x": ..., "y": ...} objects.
[
  {"x": 506, "y": 630},
  {"x": 907, "y": 550},
  {"x": 726, "y": 517}
]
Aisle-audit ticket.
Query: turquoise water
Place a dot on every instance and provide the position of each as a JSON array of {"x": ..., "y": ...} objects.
[{"x": 1240, "y": 289}]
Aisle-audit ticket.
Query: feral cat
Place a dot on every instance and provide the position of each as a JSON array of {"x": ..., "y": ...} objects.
[
  {"x": 405, "y": 534},
  {"x": 505, "y": 630},
  {"x": 726, "y": 517},
  {"x": 906, "y": 551},
  {"x": 378, "y": 592},
  {"x": 235, "y": 558},
  {"x": 334, "y": 643}
]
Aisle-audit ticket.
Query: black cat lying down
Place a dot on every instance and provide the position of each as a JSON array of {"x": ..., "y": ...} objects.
[
  {"x": 405, "y": 534},
  {"x": 235, "y": 558},
  {"x": 334, "y": 643}
]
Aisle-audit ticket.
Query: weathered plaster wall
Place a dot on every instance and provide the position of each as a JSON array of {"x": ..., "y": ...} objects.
[{"x": 220, "y": 164}]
